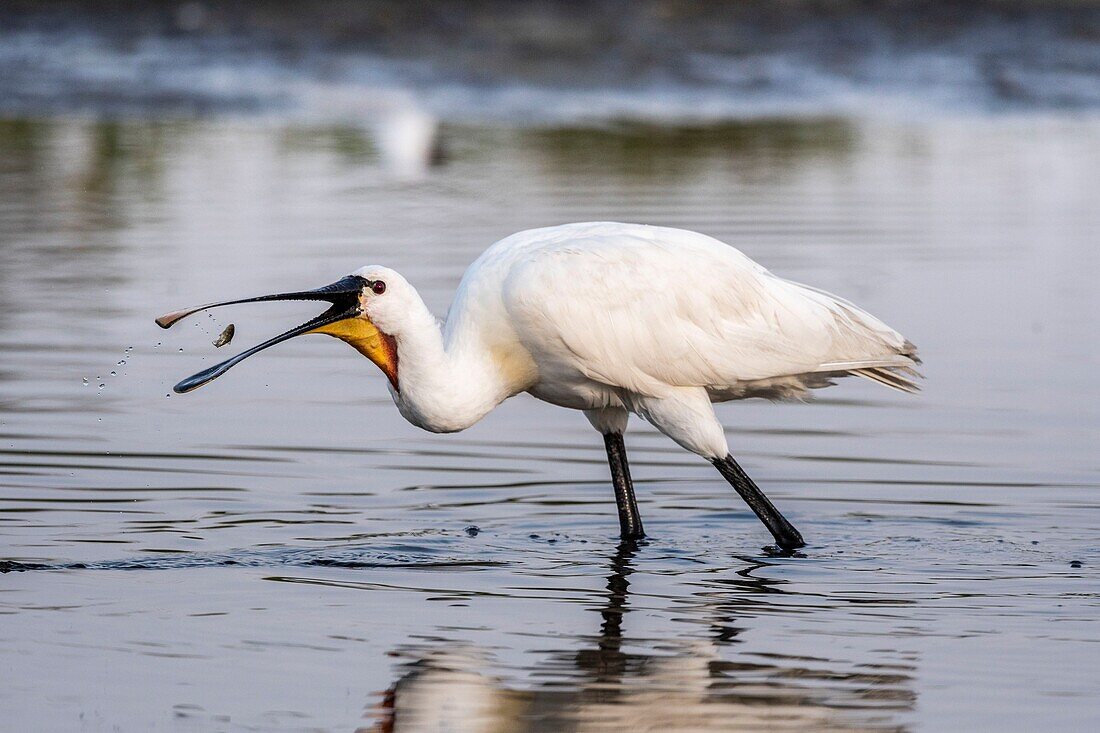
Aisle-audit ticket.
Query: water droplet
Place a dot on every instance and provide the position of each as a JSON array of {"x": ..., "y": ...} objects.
[
  {"x": 168, "y": 395},
  {"x": 102, "y": 385},
  {"x": 121, "y": 362},
  {"x": 113, "y": 373},
  {"x": 181, "y": 349},
  {"x": 156, "y": 345},
  {"x": 85, "y": 381}
]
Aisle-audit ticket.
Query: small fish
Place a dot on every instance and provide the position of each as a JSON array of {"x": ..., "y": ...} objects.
[{"x": 225, "y": 336}]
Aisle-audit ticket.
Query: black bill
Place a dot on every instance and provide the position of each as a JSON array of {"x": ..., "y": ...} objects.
[{"x": 342, "y": 294}]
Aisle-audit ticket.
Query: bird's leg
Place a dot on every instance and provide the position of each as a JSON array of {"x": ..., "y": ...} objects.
[
  {"x": 786, "y": 536},
  {"x": 630, "y": 521}
]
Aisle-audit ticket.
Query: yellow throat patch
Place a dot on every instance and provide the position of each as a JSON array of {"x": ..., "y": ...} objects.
[{"x": 364, "y": 337}]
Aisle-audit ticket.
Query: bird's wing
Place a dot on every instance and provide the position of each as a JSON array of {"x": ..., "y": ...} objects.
[{"x": 658, "y": 308}]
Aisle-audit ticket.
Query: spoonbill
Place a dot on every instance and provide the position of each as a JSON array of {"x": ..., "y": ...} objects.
[{"x": 610, "y": 319}]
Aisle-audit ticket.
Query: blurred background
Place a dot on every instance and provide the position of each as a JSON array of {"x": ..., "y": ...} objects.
[
  {"x": 281, "y": 551},
  {"x": 547, "y": 63}
]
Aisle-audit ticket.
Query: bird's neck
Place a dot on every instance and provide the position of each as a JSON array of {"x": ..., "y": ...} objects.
[{"x": 447, "y": 377}]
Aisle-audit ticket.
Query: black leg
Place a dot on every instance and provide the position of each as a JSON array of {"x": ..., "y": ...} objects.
[
  {"x": 786, "y": 536},
  {"x": 630, "y": 521}
]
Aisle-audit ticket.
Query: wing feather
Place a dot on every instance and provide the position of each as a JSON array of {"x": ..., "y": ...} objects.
[{"x": 648, "y": 308}]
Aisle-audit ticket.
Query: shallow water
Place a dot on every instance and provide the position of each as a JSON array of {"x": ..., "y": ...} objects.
[{"x": 281, "y": 551}]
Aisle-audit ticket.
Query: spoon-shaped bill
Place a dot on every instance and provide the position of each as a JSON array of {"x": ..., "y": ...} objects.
[
  {"x": 352, "y": 284},
  {"x": 343, "y": 294},
  {"x": 336, "y": 313}
]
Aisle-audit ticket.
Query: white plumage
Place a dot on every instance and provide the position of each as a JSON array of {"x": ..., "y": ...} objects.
[
  {"x": 624, "y": 317},
  {"x": 646, "y": 309},
  {"x": 613, "y": 319}
]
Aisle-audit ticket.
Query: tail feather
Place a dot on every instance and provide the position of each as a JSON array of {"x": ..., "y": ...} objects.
[
  {"x": 909, "y": 349},
  {"x": 894, "y": 377},
  {"x": 896, "y": 372},
  {"x": 865, "y": 346}
]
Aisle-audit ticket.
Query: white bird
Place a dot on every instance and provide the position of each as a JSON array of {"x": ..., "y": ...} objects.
[{"x": 610, "y": 319}]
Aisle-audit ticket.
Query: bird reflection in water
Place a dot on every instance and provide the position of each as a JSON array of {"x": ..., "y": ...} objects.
[{"x": 608, "y": 689}]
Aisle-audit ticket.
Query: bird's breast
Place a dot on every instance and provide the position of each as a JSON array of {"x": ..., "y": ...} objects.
[{"x": 574, "y": 391}]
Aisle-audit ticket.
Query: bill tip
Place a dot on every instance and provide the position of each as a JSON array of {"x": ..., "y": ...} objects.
[
  {"x": 168, "y": 319},
  {"x": 187, "y": 385}
]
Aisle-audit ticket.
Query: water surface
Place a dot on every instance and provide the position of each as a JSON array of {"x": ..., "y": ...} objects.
[{"x": 281, "y": 551}]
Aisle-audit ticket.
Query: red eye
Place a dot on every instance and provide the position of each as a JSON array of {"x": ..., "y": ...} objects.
[{"x": 378, "y": 287}]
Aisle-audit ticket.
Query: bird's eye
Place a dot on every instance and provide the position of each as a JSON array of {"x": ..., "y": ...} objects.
[{"x": 378, "y": 287}]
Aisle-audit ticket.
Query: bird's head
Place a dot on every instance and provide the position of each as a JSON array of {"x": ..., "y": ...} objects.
[{"x": 365, "y": 310}]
